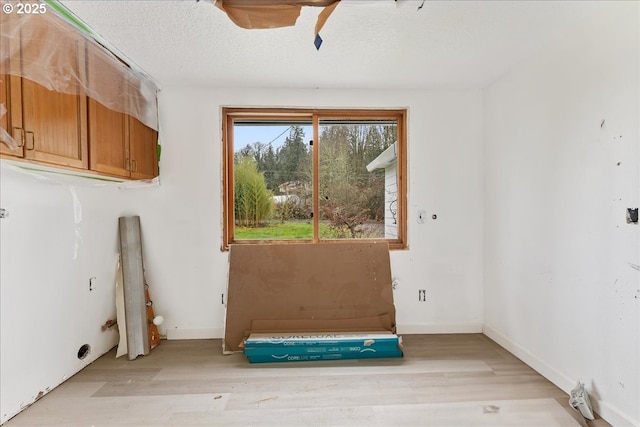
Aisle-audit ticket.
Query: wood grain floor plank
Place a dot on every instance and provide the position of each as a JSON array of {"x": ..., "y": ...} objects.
[
  {"x": 115, "y": 411},
  {"x": 125, "y": 374},
  {"x": 528, "y": 412},
  {"x": 78, "y": 388},
  {"x": 360, "y": 416},
  {"x": 341, "y": 367},
  {"x": 268, "y": 384}
]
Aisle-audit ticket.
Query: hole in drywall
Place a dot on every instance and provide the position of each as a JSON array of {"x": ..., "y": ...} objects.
[
  {"x": 84, "y": 351},
  {"x": 632, "y": 215}
]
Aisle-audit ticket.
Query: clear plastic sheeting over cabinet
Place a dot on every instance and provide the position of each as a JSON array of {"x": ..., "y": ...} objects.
[{"x": 50, "y": 51}]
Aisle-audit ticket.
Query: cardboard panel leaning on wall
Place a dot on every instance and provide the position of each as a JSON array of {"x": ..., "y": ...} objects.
[{"x": 308, "y": 288}]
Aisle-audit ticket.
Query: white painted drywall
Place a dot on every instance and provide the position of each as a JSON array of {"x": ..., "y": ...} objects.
[
  {"x": 561, "y": 166},
  {"x": 60, "y": 233},
  {"x": 445, "y": 169}
]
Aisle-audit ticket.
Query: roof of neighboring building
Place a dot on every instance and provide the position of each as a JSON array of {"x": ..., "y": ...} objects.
[{"x": 386, "y": 158}]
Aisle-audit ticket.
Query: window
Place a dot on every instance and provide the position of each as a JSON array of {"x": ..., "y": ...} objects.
[{"x": 293, "y": 175}]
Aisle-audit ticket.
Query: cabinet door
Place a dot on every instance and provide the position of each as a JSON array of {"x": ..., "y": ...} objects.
[
  {"x": 11, "y": 120},
  {"x": 10, "y": 97},
  {"x": 54, "y": 123},
  {"x": 4, "y": 116},
  {"x": 143, "y": 146},
  {"x": 55, "y": 126},
  {"x": 108, "y": 140}
]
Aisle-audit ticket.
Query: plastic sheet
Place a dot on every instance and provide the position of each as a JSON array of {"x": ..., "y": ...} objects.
[
  {"x": 77, "y": 219},
  {"x": 50, "y": 51},
  {"x": 579, "y": 401},
  {"x": 66, "y": 178},
  {"x": 4, "y": 135}
]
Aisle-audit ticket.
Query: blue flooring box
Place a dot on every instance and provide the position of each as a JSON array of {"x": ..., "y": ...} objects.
[{"x": 270, "y": 347}]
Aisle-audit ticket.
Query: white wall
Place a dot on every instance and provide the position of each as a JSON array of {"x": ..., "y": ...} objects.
[
  {"x": 51, "y": 245},
  {"x": 445, "y": 134},
  {"x": 61, "y": 232},
  {"x": 561, "y": 263}
]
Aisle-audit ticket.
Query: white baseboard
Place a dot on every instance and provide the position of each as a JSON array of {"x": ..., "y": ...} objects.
[
  {"x": 454, "y": 328},
  {"x": 194, "y": 334},
  {"x": 610, "y": 414},
  {"x": 215, "y": 333},
  {"x": 613, "y": 415},
  {"x": 547, "y": 371}
]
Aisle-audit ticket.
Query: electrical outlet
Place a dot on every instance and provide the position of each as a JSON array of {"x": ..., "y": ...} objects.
[{"x": 422, "y": 295}]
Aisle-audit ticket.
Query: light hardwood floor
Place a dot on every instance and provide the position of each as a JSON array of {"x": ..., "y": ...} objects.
[{"x": 443, "y": 380}]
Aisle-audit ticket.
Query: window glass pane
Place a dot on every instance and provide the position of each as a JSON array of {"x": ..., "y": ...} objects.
[
  {"x": 272, "y": 180},
  {"x": 357, "y": 179}
]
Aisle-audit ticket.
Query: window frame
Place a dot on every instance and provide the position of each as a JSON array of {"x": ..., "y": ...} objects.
[{"x": 230, "y": 114}]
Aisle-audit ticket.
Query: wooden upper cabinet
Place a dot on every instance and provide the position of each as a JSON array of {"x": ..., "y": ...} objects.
[
  {"x": 108, "y": 140},
  {"x": 4, "y": 117},
  {"x": 108, "y": 129},
  {"x": 63, "y": 126},
  {"x": 48, "y": 126},
  {"x": 143, "y": 143},
  {"x": 55, "y": 126},
  {"x": 52, "y": 125},
  {"x": 120, "y": 144},
  {"x": 11, "y": 120},
  {"x": 11, "y": 100}
]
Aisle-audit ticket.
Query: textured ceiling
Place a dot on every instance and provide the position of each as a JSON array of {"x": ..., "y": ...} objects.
[{"x": 367, "y": 43}]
